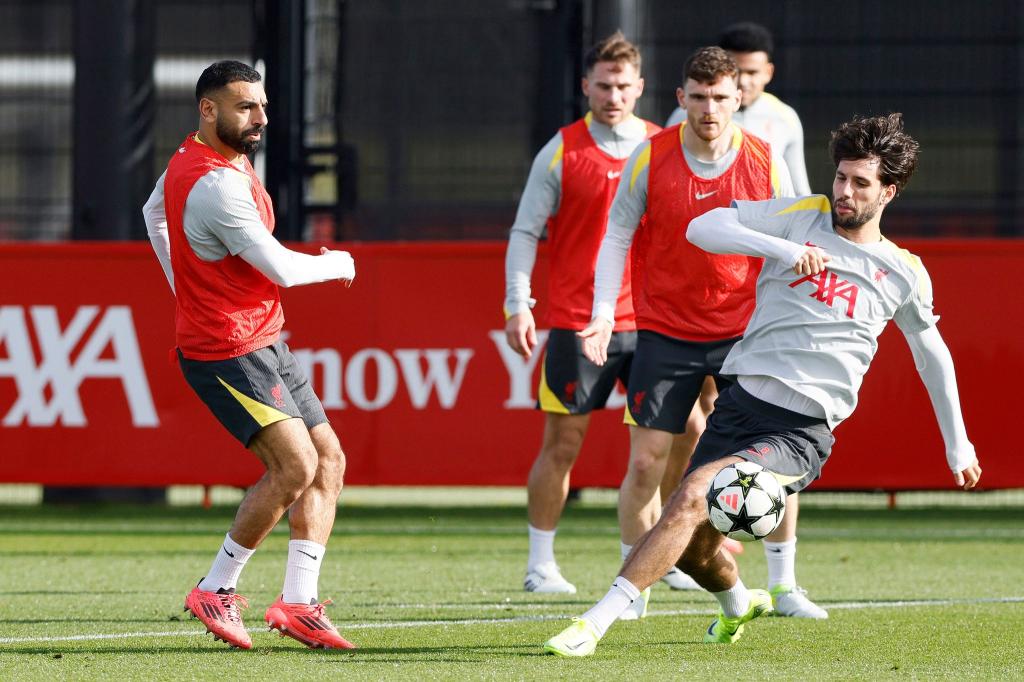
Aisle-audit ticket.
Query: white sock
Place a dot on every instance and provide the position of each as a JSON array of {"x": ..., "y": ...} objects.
[
  {"x": 302, "y": 572},
  {"x": 781, "y": 558},
  {"x": 226, "y": 568},
  {"x": 605, "y": 612},
  {"x": 542, "y": 547},
  {"x": 625, "y": 549},
  {"x": 735, "y": 601}
]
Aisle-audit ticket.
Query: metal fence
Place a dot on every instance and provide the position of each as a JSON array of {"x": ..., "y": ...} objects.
[{"x": 440, "y": 101}]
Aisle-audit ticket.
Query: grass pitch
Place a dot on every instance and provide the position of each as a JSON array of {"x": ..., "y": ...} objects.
[{"x": 433, "y": 592}]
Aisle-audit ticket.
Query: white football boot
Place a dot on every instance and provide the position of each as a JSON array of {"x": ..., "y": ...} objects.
[
  {"x": 545, "y": 578},
  {"x": 792, "y": 601}
]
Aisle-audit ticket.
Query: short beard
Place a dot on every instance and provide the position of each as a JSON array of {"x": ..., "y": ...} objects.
[
  {"x": 856, "y": 220},
  {"x": 238, "y": 141}
]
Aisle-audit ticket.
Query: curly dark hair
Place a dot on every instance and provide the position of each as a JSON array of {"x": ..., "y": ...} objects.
[
  {"x": 746, "y": 36},
  {"x": 219, "y": 74},
  {"x": 614, "y": 48},
  {"x": 709, "y": 64},
  {"x": 882, "y": 138}
]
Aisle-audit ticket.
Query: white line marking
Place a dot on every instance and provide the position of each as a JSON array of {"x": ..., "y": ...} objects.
[{"x": 515, "y": 619}]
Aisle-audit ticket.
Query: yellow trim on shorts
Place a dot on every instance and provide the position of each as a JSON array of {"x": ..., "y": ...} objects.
[
  {"x": 813, "y": 203},
  {"x": 263, "y": 414},
  {"x": 549, "y": 402},
  {"x": 627, "y": 417},
  {"x": 786, "y": 480}
]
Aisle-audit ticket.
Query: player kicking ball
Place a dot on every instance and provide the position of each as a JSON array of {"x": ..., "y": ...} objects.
[{"x": 830, "y": 284}]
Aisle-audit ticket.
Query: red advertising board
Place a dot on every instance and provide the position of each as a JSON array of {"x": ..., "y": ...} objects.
[{"x": 413, "y": 369}]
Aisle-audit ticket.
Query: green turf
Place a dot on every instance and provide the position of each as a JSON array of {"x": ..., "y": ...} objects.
[{"x": 433, "y": 593}]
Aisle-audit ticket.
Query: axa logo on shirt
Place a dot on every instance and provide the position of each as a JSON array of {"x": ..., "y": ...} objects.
[
  {"x": 48, "y": 390},
  {"x": 829, "y": 288}
]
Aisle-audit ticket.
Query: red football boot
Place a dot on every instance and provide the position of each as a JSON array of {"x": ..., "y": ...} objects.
[
  {"x": 219, "y": 612},
  {"x": 306, "y": 623}
]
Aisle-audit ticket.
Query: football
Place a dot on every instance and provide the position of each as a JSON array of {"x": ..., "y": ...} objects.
[{"x": 745, "y": 501}]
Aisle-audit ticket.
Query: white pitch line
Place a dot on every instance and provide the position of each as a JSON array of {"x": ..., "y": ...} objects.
[{"x": 516, "y": 619}]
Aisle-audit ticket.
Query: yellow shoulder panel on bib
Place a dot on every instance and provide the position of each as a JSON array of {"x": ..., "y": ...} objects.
[
  {"x": 642, "y": 161},
  {"x": 557, "y": 157}
]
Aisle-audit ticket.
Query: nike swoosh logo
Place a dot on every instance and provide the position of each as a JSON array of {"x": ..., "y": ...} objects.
[
  {"x": 613, "y": 174},
  {"x": 705, "y": 195},
  {"x": 227, "y": 552},
  {"x": 311, "y": 556},
  {"x": 574, "y": 647},
  {"x": 777, "y": 551}
]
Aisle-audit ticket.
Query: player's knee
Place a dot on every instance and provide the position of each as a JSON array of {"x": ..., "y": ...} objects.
[
  {"x": 332, "y": 468},
  {"x": 696, "y": 423},
  {"x": 292, "y": 477},
  {"x": 683, "y": 507},
  {"x": 647, "y": 466},
  {"x": 561, "y": 455}
]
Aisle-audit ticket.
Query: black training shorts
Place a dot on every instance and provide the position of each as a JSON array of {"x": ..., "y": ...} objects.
[
  {"x": 254, "y": 390},
  {"x": 667, "y": 376},
  {"x": 572, "y": 384},
  {"x": 792, "y": 446}
]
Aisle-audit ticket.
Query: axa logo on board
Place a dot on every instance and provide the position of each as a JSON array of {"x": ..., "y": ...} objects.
[
  {"x": 102, "y": 343},
  {"x": 47, "y": 387}
]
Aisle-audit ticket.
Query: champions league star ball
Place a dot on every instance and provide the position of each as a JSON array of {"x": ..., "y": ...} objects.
[{"x": 745, "y": 501}]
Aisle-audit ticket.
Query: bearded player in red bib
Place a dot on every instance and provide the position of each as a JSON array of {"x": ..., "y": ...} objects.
[{"x": 211, "y": 222}]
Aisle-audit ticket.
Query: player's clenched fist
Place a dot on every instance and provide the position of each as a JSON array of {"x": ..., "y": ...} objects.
[
  {"x": 342, "y": 260},
  {"x": 811, "y": 262}
]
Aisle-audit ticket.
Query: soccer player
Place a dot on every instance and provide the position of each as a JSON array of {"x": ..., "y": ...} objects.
[
  {"x": 210, "y": 222},
  {"x": 569, "y": 189},
  {"x": 690, "y": 307},
  {"x": 762, "y": 113},
  {"x": 830, "y": 284},
  {"x": 766, "y": 116}
]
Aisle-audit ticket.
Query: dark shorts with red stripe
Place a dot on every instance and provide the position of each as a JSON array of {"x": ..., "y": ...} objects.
[
  {"x": 667, "y": 376},
  {"x": 254, "y": 390},
  {"x": 572, "y": 384},
  {"x": 791, "y": 445}
]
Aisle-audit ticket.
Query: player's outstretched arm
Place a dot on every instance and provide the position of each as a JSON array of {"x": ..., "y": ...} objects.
[
  {"x": 935, "y": 366},
  {"x": 156, "y": 228},
  {"x": 521, "y": 333},
  {"x": 288, "y": 268},
  {"x": 596, "y": 336},
  {"x": 720, "y": 231}
]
